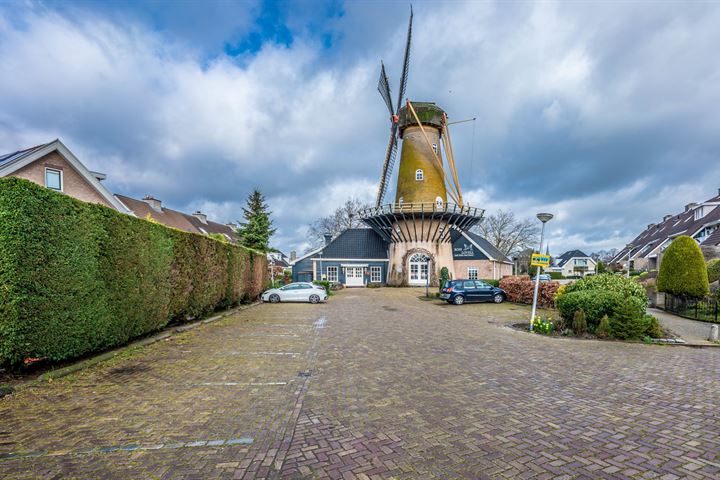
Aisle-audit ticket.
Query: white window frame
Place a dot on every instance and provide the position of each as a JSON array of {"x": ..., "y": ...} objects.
[
  {"x": 435, "y": 147},
  {"x": 419, "y": 175},
  {"x": 473, "y": 273},
  {"x": 60, "y": 174},
  {"x": 375, "y": 274},
  {"x": 332, "y": 277}
]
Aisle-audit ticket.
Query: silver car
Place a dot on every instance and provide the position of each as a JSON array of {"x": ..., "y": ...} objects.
[{"x": 295, "y": 292}]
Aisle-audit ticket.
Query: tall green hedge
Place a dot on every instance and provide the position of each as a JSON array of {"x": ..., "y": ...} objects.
[
  {"x": 77, "y": 277},
  {"x": 713, "y": 269},
  {"x": 682, "y": 270}
]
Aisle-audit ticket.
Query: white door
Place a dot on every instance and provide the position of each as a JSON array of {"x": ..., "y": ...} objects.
[
  {"x": 354, "y": 277},
  {"x": 418, "y": 269}
]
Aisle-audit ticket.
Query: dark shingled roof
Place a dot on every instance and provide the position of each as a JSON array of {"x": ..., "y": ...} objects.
[
  {"x": 357, "y": 243},
  {"x": 563, "y": 259},
  {"x": 486, "y": 246},
  {"x": 682, "y": 223}
]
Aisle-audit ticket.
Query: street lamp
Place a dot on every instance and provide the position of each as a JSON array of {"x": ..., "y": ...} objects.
[
  {"x": 544, "y": 218},
  {"x": 629, "y": 246}
]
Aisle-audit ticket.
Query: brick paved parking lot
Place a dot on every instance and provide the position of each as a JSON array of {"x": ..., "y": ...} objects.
[{"x": 373, "y": 384}]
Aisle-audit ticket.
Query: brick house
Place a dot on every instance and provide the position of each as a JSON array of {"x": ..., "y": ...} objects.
[
  {"x": 54, "y": 166},
  {"x": 359, "y": 256}
]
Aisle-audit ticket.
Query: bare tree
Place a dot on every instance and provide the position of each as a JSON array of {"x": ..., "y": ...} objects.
[
  {"x": 507, "y": 233},
  {"x": 344, "y": 217}
]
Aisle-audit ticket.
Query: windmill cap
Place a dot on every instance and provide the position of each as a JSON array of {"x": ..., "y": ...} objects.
[{"x": 428, "y": 113}]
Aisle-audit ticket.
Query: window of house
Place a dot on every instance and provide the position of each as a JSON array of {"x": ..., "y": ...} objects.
[
  {"x": 438, "y": 202},
  {"x": 419, "y": 175},
  {"x": 472, "y": 273},
  {"x": 332, "y": 274},
  {"x": 53, "y": 179},
  {"x": 375, "y": 274},
  {"x": 434, "y": 147}
]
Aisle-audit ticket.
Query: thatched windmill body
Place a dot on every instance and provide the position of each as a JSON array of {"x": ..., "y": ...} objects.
[{"x": 428, "y": 202}]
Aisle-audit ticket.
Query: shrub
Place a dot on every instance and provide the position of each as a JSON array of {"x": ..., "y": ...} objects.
[
  {"x": 612, "y": 283},
  {"x": 600, "y": 267},
  {"x": 579, "y": 324},
  {"x": 519, "y": 289},
  {"x": 494, "y": 283},
  {"x": 556, "y": 275},
  {"x": 603, "y": 328},
  {"x": 444, "y": 276},
  {"x": 78, "y": 277},
  {"x": 653, "y": 327},
  {"x": 594, "y": 304},
  {"x": 683, "y": 271},
  {"x": 626, "y": 323},
  {"x": 713, "y": 269},
  {"x": 323, "y": 283}
]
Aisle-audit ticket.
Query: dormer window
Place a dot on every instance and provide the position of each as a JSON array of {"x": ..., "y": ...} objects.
[
  {"x": 419, "y": 175},
  {"x": 699, "y": 213},
  {"x": 53, "y": 179}
]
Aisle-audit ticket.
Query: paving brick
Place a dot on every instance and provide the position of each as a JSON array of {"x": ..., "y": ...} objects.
[{"x": 399, "y": 387}]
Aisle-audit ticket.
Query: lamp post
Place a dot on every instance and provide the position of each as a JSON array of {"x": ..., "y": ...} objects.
[
  {"x": 630, "y": 246},
  {"x": 544, "y": 218}
]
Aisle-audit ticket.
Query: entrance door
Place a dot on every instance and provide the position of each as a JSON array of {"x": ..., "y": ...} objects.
[
  {"x": 418, "y": 270},
  {"x": 354, "y": 277}
]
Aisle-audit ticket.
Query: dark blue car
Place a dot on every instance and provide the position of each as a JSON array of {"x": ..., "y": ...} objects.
[{"x": 461, "y": 291}]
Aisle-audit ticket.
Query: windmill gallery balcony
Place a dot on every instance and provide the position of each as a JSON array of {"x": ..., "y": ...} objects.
[{"x": 420, "y": 222}]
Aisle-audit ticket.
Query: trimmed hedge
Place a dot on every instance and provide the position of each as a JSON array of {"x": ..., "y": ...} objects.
[
  {"x": 519, "y": 289},
  {"x": 682, "y": 270},
  {"x": 78, "y": 277}
]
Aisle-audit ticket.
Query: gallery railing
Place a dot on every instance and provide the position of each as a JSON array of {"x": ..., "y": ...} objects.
[{"x": 704, "y": 309}]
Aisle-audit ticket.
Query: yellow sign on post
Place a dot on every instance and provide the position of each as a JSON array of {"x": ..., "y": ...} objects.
[{"x": 540, "y": 260}]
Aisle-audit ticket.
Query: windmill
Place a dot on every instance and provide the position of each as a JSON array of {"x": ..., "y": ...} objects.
[
  {"x": 428, "y": 206},
  {"x": 433, "y": 131}
]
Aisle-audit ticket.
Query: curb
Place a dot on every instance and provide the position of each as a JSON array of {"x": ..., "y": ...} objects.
[
  {"x": 167, "y": 333},
  {"x": 640, "y": 342}
]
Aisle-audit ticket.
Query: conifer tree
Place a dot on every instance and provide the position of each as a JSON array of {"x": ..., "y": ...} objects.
[{"x": 256, "y": 231}]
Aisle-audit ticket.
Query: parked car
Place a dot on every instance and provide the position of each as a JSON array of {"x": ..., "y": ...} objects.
[
  {"x": 462, "y": 290},
  {"x": 295, "y": 292},
  {"x": 544, "y": 277}
]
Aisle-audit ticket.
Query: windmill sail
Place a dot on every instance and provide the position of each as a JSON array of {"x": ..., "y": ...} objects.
[
  {"x": 384, "y": 89},
  {"x": 406, "y": 66}
]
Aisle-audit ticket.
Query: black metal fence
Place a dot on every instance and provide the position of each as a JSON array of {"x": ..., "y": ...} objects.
[{"x": 704, "y": 309}]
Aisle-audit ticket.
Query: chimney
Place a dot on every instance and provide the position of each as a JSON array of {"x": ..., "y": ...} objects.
[
  {"x": 201, "y": 216},
  {"x": 328, "y": 238},
  {"x": 154, "y": 203},
  {"x": 232, "y": 225},
  {"x": 650, "y": 225},
  {"x": 667, "y": 217},
  {"x": 293, "y": 256},
  {"x": 690, "y": 205}
]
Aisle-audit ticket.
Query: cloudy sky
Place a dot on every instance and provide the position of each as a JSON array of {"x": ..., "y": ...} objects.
[{"x": 606, "y": 114}]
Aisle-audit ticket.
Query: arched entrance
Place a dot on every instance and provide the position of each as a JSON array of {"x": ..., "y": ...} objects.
[{"x": 419, "y": 266}]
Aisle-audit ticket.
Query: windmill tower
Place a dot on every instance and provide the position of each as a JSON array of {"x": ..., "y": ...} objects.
[{"x": 428, "y": 202}]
